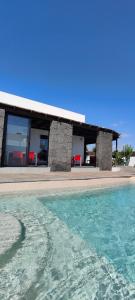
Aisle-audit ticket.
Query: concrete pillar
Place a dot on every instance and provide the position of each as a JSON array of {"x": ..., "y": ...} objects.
[
  {"x": 60, "y": 146},
  {"x": 2, "y": 118},
  {"x": 104, "y": 151}
]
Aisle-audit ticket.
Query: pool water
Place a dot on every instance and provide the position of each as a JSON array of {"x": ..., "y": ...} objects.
[
  {"x": 106, "y": 221},
  {"x": 72, "y": 246}
]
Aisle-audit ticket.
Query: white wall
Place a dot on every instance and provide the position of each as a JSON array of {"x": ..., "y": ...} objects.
[
  {"x": 35, "y": 139},
  {"x": 78, "y": 146},
  {"x": 132, "y": 161}
]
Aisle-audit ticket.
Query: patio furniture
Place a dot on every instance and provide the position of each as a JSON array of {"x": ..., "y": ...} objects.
[
  {"x": 93, "y": 161},
  {"x": 77, "y": 159},
  {"x": 33, "y": 158},
  {"x": 43, "y": 157},
  {"x": 18, "y": 157}
]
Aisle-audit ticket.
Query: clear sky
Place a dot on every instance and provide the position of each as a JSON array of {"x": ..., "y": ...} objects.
[{"x": 76, "y": 54}]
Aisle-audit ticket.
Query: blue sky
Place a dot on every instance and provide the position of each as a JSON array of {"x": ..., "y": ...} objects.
[{"x": 76, "y": 54}]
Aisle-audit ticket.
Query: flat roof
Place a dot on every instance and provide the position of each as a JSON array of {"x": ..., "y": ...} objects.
[
  {"x": 31, "y": 105},
  {"x": 34, "y": 109},
  {"x": 90, "y": 131}
]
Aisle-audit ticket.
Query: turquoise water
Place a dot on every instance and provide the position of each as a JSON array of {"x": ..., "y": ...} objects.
[
  {"x": 106, "y": 221},
  {"x": 73, "y": 246}
]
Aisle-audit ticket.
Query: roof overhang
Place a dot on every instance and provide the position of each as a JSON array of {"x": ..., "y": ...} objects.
[
  {"x": 38, "y": 107},
  {"x": 42, "y": 119},
  {"x": 90, "y": 132}
]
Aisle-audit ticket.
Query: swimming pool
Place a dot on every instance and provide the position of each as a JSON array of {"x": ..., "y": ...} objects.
[{"x": 75, "y": 246}]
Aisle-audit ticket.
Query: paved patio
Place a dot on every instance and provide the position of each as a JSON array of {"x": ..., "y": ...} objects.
[
  {"x": 76, "y": 174},
  {"x": 50, "y": 181}
]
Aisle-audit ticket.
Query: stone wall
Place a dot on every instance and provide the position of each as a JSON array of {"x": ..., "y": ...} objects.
[
  {"x": 2, "y": 117},
  {"x": 60, "y": 146},
  {"x": 104, "y": 151}
]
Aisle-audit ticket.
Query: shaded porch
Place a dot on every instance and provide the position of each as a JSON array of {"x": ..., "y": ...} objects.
[{"x": 31, "y": 138}]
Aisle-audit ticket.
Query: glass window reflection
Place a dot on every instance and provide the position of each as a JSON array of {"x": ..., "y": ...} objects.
[{"x": 16, "y": 141}]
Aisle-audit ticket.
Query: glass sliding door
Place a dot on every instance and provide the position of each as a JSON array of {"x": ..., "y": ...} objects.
[
  {"x": 17, "y": 141},
  {"x": 43, "y": 154}
]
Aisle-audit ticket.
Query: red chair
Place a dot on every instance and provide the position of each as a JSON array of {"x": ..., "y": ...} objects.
[
  {"x": 78, "y": 159},
  {"x": 18, "y": 156},
  {"x": 32, "y": 157}
]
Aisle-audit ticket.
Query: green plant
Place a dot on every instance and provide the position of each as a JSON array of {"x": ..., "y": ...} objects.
[
  {"x": 122, "y": 157},
  {"x": 127, "y": 152},
  {"x": 117, "y": 158}
]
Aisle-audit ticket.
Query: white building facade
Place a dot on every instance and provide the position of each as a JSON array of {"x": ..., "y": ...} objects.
[{"x": 32, "y": 133}]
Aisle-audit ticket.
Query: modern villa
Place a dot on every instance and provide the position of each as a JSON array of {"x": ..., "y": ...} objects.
[{"x": 34, "y": 133}]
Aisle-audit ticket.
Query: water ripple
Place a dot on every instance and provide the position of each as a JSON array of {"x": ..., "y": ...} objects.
[{"x": 54, "y": 263}]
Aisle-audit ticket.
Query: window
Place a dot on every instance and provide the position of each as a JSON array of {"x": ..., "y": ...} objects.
[
  {"x": 16, "y": 141},
  {"x": 44, "y": 142},
  {"x": 43, "y": 154}
]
